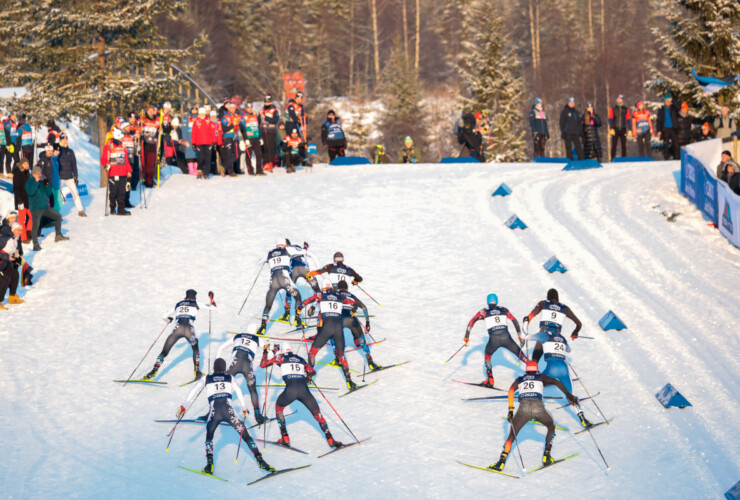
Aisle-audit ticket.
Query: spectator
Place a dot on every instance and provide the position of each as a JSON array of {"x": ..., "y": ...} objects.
[
  {"x": 734, "y": 179},
  {"x": 704, "y": 133},
  {"x": 269, "y": 120},
  {"x": 380, "y": 155},
  {"x": 726, "y": 164},
  {"x": 11, "y": 251},
  {"x": 24, "y": 141},
  {"x": 409, "y": 153},
  {"x": 149, "y": 135},
  {"x": 68, "y": 171},
  {"x": 571, "y": 129},
  {"x": 295, "y": 114},
  {"x": 538, "y": 125},
  {"x": 3, "y": 148},
  {"x": 665, "y": 126},
  {"x": 470, "y": 137},
  {"x": 217, "y": 166},
  {"x": 723, "y": 124},
  {"x": 12, "y": 155},
  {"x": 50, "y": 172},
  {"x": 295, "y": 150},
  {"x": 179, "y": 145},
  {"x": 115, "y": 161},
  {"x": 203, "y": 138},
  {"x": 642, "y": 129},
  {"x": 591, "y": 140},
  {"x": 250, "y": 128},
  {"x": 683, "y": 126},
  {"x": 281, "y": 134},
  {"x": 187, "y": 136},
  {"x": 21, "y": 174},
  {"x": 230, "y": 128},
  {"x": 332, "y": 135},
  {"x": 129, "y": 142},
  {"x": 38, "y": 195},
  {"x": 52, "y": 133},
  {"x": 619, "y": 120}
]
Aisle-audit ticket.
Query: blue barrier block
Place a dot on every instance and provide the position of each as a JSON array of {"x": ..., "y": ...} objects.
[
  {"x": 545, "y": 159},
  {"x": 502, "y": 190},
  {"x": 462, "y": 159},
  {"x": 611, "y": 321},
  {"x": 734, "y": 492},
  {"x": 81, "y": 190},
  {"x": 669, "y": 396},
  {"x": 312, "y": 149},
  {"x": 554, "y": 265},
  {"x": 582, "y": 164},
  {"x": 6, "y": 186},
  {"x": 630, "y": 159},
  {"x": 515, "y": 222},
  {"x": 350, "y": 160}
]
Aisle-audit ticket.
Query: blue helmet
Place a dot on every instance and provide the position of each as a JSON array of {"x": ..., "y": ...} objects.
[{"x": 492, "y": 299}]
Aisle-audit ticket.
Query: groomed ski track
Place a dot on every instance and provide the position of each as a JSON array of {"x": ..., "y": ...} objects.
[{"x": 430, "y": 242}]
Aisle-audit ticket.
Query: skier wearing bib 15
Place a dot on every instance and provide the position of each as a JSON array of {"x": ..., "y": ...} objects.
[
  {"x": 530, "y": 386},
  {"x": 337, "y": 272},
  {"x": 219, "y": 387},
  {"x": 296, "y": 373},
  {"x": 183, "y": 316},
  {"x": 279, "y": 261},
  {"x": 552, "y": 314},
  {"x": 245, "y": 347},
  {"x": 497, "y": 320}
]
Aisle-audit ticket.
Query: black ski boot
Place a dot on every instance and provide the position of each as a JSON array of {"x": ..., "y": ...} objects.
[
  {"x": 584, "y": 421},
  {"x": 333, "y": 442},
  {"x": 285, "y": 316},
  {"x": 152, "y": 373},
  {"x": 208, "y": 469},
  {"x": 351, "y": 385},
  {"x": 264, "y": 465},
  {"x": 499, "y": 466},
  {"x": 262, "y": 327},
  {"x": 372, "y": 364},
  {"x": 546, "y": 458},
  {"x": 259, "y": 417}
]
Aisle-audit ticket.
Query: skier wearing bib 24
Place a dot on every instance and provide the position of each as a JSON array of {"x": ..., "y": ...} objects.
[
  {"x": 530, "y": 386},
  {"x": 183, "y": 315},
  {"x": 337, "y": 271},
  {"x": 497, "y": 320},
  {"x": 219, "y": 387},
  {"x": 299, "y": 256},
  {"x": 279, "y": 261},
  {"x": 552, "y": 315},
  {"x": 244, "y": 348},
  {"x": 296, "y": 373}
]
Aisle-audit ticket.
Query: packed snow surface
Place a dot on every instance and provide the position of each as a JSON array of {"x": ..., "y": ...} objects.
[{"x": 431, "y": 243}]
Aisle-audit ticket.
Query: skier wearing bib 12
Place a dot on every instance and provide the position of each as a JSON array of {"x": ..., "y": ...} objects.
[
  {"x": 330, "y": 328},
  {"x": 552, "y": 315},
  {"x": 337, "y": 271},
  {"x": 279, "y": 261},
  {"x": 245, "y": 347},
  {"x": 530, "y": 386},
  {"x": 219, "y": 387},
  {"x": 296, "y": 373},
  {"x": 299, "y": 267},
  {"x": 497, "y": 320},
  {"x": 183, "y": 316}
]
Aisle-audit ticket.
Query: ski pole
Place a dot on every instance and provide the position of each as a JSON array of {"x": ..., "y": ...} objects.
[
  {"x": 147, "y": 352},
  {"x": 587, "y": 393},
  {"x": 448, "y": 359},
  {"x": 371, "y": 297},
  {"x": 210, "y": 295},
  {"x": 367, "y": 331},
  {"x": 335, "y": 411},
  {"x": 597, "y": 447},
  {"x": 172, "y": 432},
  {"x": 241, "y": 435},
  {"x": 516, "y": 445},
  {"x": 250, "y": 289},
  {"x": 264, "y": 406}
]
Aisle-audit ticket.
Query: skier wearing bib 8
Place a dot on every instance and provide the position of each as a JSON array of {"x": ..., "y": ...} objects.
[
  {"x": 296, "y": 373},
  {"x": 530, "y": 386},
  {"x": 299, "y": 256},
  {"x": 330, "y": 328},
  {"x": 337, "y": 271},
  {"x": 219, "y": 386},
  {"x": 183, "y": 316},
  {"x": 553, "y": 314},
  {"x": 279, "y": 261},
  {"x": 497, "y": 320}
]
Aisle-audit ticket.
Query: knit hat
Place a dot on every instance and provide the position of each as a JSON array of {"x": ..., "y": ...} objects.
[
  {"x": 36, "y": 170},
  {"x": 268, "y": 98},
  {"x": 15, "y": 226},
  {"x": 620, "y": 96},
  {"x": 11, "y": 213},
  {"x": 684, "y": 106},
  {"x": 408, "y": 139},
  {"x": 571, "y": 99},
  {"x": 667, "y": 96},
  {"x": 537, "y": 100},
  {"x": 201, "y": 111},
  {"x": 638, "y": 103},
  {"x": 726, "y": 152}
]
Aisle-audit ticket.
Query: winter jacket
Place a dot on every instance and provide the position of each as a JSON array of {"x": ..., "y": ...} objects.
[
  {"x": 381, "y": 158},
  {"x": 724, "y": 126},
  {"x": 9, "y": 245},
  {"x": 641, "y": 122},
  {"x": 19, "y": 187},
  {"x": 11, "y": 130},
  {"x": 229, "y": 125},
  {"x": 53, "y": 134},
  {"x": 249, "y": 124},
  {"x": 591, "y": 140},
  {"x": 734, "y": 183},
  {"x": 269, "y": 117},
  {"x": 570, "y": 121},
  {"x": 202, "y": 132},
  {"x": 295, "y": 114},
  {"x": 116, "y": 157},
  {"x": 218, "y": 138},
  {"x": 187, "y": 131},
  {"x": 538, "y": 122},
  {"x": 470, "y": 137},
  {"x": 409, "y": 155},
  {"x": 50, "y": 169},
  {"x": 294, "y": 146},
  {"x": 660, "y": 123},
  {"x": 67, "y": 163},
  {"x": 619, "y": 117},
  {"x": 3, "y": 135},
  {"x": 722, "y": 169},
  {"x": 683, "y": 129},
  {"x": 699, "y": 136},
  {"x": 332, "y": 134},
  {"x": 25, "y": 136},
  {"x": 38, "y": 194}
]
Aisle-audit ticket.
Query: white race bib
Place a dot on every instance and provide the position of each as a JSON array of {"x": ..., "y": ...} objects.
[
  {"x": 554, "y": 348},
  {"x": 293, "y": 369},
  {"x": 279, "y": 261},
  {"x": 327, "y": 306},
  {"x": 246, "y": 343},
  {"x": 553, "y": 316},
  {"x": 336, "y": 278},
  {"x": 220, "y": 388},
  {"x": 187, "y": 311},
  {"x": 530, "y": 387},
  {"x": 496, "y": 321}
]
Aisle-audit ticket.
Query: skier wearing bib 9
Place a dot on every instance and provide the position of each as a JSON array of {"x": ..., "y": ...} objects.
[
  {"x": 299, "y": 267},
  {"x": 497, "y": 320},
  {"x": 552, "y": 315},
  {"x": 530, "y": 386},
  {"x": 296, "y": 374},
  {"x": 330, "y": 328},
  {"x": 219, "y": 388},
  {"x": 245, "y": 347},
  {"x": 337, "y": 271},
  {"x": 183, "y": 316},
  {"x": 279, "y": 261}
]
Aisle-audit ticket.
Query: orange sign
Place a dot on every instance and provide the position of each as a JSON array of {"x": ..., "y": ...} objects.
[{"x": 293, "y": 83}]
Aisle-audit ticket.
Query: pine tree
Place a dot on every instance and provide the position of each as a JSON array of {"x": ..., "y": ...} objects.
[
  {"x": 704, "y": 35},
  {"x": 491, "y": 71}
]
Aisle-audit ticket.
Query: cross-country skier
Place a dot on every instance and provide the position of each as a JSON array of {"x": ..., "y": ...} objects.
[
  {"x": 244, "y": 348},
  {"x": 296, "y": 374},
  {"x": 553, "y": 314},
  {"x": 349, "y": 320},
  {"x": 299, "y": 267},
  {"x": 219, "y": 388},
  {"x": 497, "y": 320},
  {"x": 279, "y": 261},
  {"x": 337, "y": 271},
  {"x": 530, "y": 386},
  {"x": 330, "y": 327},
  {"x": 183, "y": 316}
]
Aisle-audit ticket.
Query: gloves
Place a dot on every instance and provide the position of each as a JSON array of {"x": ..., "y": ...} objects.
[
  {"x": 180, "y": 411},
  {"x": 354, "y": 282},
  {"x": 311, "y": 310},
  {"x": 573, "y": 400},
  {"x": 267, "y": 348},
  {"x": 168, "y": 319},
  {"x": 629, "y": 135},
  {"x": 262, "y": 143},
  {"x": 521, "y": 342},
  {"x": 275, "y": 348},
  {"x": 305, "y": 245},
  {"x": 575, "y": 336},
  {"x": 611, "y": 131},
  {"x": 128, "y": 185},
  {"x": 245, "y": 413},
  {"x": 11, "y": 149},
  {"x": 76, "y": 181},
  {"x": 510, "y": 415},
  {"x": 367, "y": 325},
  {"x": 525, "y": 321}
]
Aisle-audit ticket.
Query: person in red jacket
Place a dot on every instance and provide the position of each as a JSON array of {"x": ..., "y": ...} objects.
[
  {"x": 642, "y": 128},
  {"x": 218, "y": 142},
  {"x": 150, "y": 126},
  {"x": 117, "y": 164},
  {"x": 202, "y": 138},
  {"x": 295, "y": 150}
]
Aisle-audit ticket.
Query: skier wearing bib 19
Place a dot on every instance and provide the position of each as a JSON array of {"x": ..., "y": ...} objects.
[
  {"x": 552, "y": 315},
  {"x": 337, "y": 271},
  {"x": 299, "y": 256},
  {"x": 530, "y": 387},
  {"x": 296, "y": 373},
  {"x": 279, "y": 261},
  {"x": 497, "y": 320},
  {"x": 183, "y": 316},
  {"x": 245, "y": 347},
  {"x": 219, "y": 387}
]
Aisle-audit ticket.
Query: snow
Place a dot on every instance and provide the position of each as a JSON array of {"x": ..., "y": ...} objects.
[{"x": 431, "y": 243}]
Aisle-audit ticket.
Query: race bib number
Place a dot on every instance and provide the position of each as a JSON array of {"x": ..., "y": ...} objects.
[
  {"x": 218, "y": 389},
  {"x": 553, "y": 317},
  {"x": 279, "y": 261},
  {"x": 554, "y": 348},
  {"x": 530, "y": 388},
  {"x": 496, "y": 321},
  {"x": 293, "y": 369},
  {"x": 336, "y": 278},
  {"x": 187, "y": 311},
  {"x": 246, "y": 343},
  {"x": 327, "y": 306}
]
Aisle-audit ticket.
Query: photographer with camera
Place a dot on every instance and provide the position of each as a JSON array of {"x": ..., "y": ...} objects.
[
  {"x": 39, "y": 190},
  {"x": 409, "y": 153}
]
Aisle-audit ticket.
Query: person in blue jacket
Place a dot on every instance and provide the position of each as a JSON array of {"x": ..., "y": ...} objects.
[{"x": 332, "y": 135}]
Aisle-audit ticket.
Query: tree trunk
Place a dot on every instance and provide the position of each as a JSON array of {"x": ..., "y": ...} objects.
[
  {"x": 534, "y": 43},
  {"x": 376, "y": 55},
  {"x": 405, "y": 31},
  {"x": 351, "y": 46},
  {"x": 418, "y": 36},
  {"x": 590, "y": 23},
  {"x": 537, "y": 37},
  {"x": 99, "y": 46}
]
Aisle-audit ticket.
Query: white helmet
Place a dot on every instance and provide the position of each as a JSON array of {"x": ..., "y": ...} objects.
[
  {"x": 175, "y": 122},
  {"x": 117, "y": 134},
  {"x": 280, "y": 243},
  {"x": 286, "y": 349},
  {"x": 252, "y": 328}
]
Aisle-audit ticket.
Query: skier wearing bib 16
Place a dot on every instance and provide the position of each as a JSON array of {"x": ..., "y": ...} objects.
[
  {"x": 337, "y": 271},
  {"x": 183, "y": 316},
  {"x": 296, "y": 373},
  {"x": 553, "y": 314},
  {"x": 219, "y": 387},
  {"x": 530, "y": 386},
  {"x": 497, "y": 320},
  {"x": 245, "y": 347},
  {"x": 279, "y": 261}
]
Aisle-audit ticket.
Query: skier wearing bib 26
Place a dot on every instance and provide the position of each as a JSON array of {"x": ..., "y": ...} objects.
[
  {"x": 299, "y": 256},
  {"x": 183, "y": 316},
  {"x": 337, "y": 271},
  {"x": 330, "y": 327},
  {"x": 553, "y": 314},
  {"x": 530, "y": 387},
  {"x": 245, "y": 347},
  {"x": 219, "y": 387},
  {"x": 296, "y": 373},
  {"x": 497, "y": 320},
  {"x": 279, "y": 261}
]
